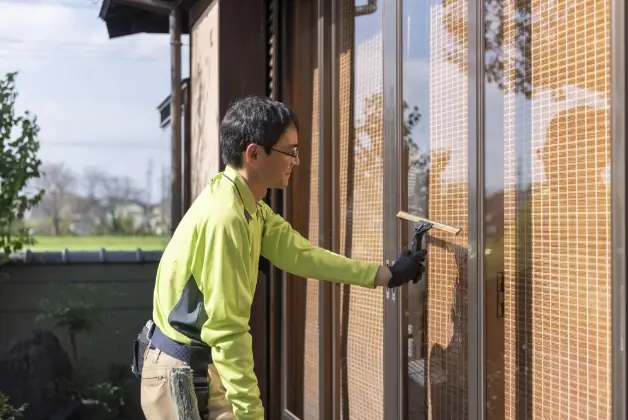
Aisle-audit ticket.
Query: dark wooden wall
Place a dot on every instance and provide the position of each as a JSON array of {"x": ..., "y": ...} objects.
[
  {"x": 300, "y": 64},
  {"x": 241, "y": 72}
]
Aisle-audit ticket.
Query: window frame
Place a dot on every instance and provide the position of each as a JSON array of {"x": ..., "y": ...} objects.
[{"x": 618, "y": 208}]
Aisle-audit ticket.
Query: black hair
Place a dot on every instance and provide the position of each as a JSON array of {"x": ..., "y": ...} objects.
[{"x": 253, "y": 120}]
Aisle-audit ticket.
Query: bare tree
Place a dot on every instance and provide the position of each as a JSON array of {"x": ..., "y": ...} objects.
[
  {"x": 91, "y": 180},
  {"x": 59, "y": 182},
  {"x": 108, "y": 194}
]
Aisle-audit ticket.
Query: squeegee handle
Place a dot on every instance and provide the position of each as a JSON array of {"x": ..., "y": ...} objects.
[
  {"x": 417, "y": 241},
  {"x": 419, "y": 231}
]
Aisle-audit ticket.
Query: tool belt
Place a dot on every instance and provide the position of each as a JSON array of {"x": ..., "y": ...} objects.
[{"x": 197, "y": 357}]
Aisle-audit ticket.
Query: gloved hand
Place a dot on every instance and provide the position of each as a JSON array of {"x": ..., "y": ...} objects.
[{"x": 408, "y": 267}]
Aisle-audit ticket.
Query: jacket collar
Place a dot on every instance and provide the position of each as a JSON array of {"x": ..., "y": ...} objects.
[{"x": 242, "y": 189}]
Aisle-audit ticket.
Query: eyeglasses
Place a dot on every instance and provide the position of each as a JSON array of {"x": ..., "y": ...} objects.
[{"x": 294, "y": 154}]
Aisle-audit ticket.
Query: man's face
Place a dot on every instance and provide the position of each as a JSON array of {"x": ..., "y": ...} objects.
[{"x": 275, "y": 168}]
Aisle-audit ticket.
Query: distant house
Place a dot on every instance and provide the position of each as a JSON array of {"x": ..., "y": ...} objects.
[{"x": 80, "y": 215}]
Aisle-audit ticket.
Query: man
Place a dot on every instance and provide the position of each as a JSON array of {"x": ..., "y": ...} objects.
[{"x": 208, "y": 273}]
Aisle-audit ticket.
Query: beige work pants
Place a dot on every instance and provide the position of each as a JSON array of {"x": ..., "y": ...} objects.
[{"x": 157, "y": 401}]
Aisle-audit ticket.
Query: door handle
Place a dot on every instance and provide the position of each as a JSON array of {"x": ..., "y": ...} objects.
[{"x": 500, "y": 294}]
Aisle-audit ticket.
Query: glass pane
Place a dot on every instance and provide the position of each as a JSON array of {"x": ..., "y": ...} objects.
[
  {"x": 361, "y": 205},
  {"x": 547, "y": 209},
  {"x": 435, "y": 134}
]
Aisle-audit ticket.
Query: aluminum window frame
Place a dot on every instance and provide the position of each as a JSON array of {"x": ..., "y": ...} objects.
[
  {"x": 395, "y": 351},
  {"x": 618, "y": 208},
  {"x": 476, "y": 334},
  {"x": 333, "y": 305},
  {"x": 326, "y": 317}
]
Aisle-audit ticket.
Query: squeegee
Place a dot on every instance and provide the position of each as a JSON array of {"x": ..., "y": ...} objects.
[
  {"x": 436, "y": 225},
  {"x": 422, "y": 226}
]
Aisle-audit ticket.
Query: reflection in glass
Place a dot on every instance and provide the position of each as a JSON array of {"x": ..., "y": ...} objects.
[
  {"x": 361, "y": 205},
  {"x": 435, "y": 138},
  {"x": 547, "y": 209}
]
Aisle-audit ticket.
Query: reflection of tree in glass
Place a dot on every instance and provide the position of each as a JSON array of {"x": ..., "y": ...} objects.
[
  {"x": 513, "y": 32},
  {"x": 370, "y": 125},
  {"x": 372, "y": 122},
  {"x": 418, "y": 163},
  {"x": 411, "y": 118},
  {"x": 455, "y": 23},
  {"x": 494, "y": 45},
  {"x": 368, "y": 151}
]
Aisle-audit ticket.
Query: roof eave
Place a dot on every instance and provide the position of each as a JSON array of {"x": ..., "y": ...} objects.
[{"x": 122, "y": 19}]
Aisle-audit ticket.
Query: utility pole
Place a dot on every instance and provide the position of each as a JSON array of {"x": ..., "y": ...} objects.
[{"x": 175, "y": 117}]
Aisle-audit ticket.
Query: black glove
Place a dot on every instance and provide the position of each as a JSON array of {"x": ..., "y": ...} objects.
[{"x": 408, "y": 267}]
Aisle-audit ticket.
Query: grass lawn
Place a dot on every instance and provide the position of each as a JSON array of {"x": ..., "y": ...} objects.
[{"x": 95, "y": 243}]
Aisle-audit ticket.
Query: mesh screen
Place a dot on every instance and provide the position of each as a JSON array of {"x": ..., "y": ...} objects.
[
  {"x": 361, "y": 218},
  {"x": 311, "y": 357},
  {"x": 557, "y": 210},
  {"x": 447, "y": 266}
]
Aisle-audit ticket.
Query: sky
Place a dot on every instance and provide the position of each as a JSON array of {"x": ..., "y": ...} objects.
[{"x": 95, "y": 98}]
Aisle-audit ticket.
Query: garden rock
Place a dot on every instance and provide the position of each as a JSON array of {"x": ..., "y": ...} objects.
[{"x": 36, "y": 370}]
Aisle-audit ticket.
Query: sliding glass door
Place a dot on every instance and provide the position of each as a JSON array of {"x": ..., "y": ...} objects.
[
  {"x": 510, "y": 126},
  {"x": 436, "y": 181},
  {"x": 547, "y": 209},
  {"x": 504, "y": 119}
]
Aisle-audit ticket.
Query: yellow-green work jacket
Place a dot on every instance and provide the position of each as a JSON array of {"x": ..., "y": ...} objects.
[{"x": 208, "y": 273}]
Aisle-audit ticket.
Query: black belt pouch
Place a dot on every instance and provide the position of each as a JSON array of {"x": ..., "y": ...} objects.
[
  {"x": 140, "y": 344},
  {"x": 200, "y": 359}
]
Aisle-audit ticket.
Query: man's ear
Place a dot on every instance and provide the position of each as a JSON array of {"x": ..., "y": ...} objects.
[{"x": 251, "y": 153}]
